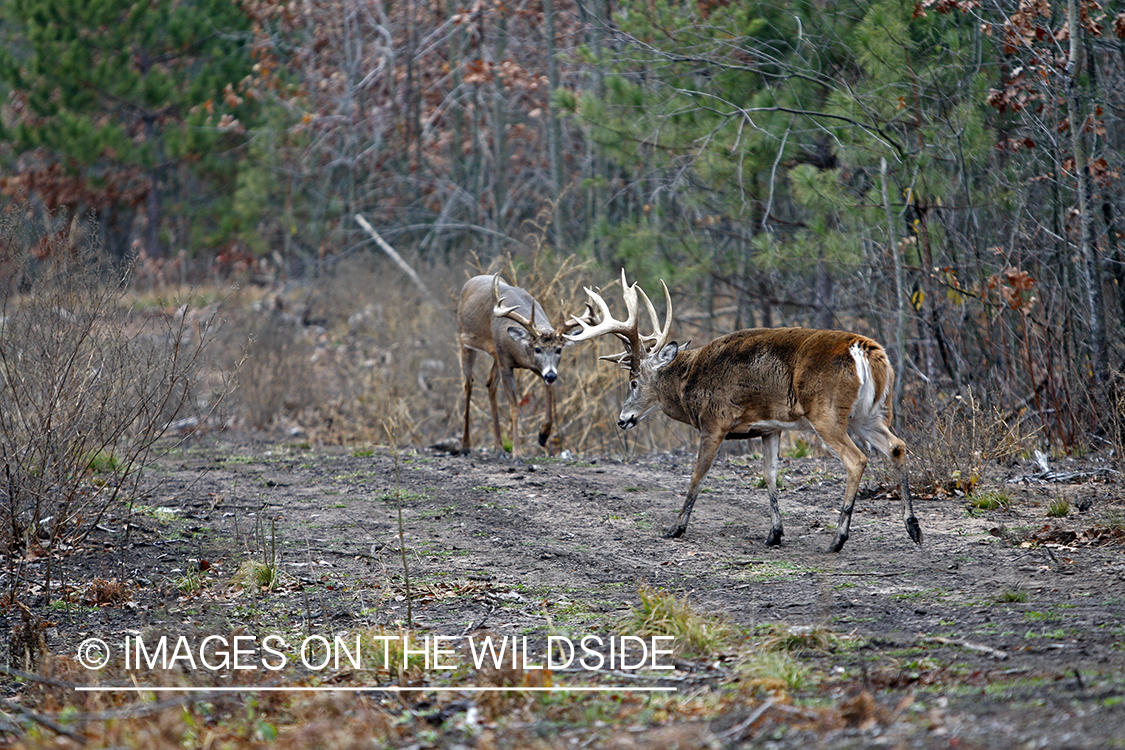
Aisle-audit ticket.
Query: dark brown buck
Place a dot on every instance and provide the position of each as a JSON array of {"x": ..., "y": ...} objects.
[
  {"x": 506, "y": 323},
  {"x": 758, "y": 383}
]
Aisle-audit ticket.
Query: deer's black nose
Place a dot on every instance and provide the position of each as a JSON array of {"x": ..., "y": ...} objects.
[{"x": 550, "y": 377}]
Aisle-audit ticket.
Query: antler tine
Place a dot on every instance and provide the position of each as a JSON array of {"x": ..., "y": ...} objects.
[
  {"x": 659, "y": 337},
  {"x": 588, "y": 316},
  {"x": 626, "y": 329},
  {"x": 623, "y": 359},
  {"x": 500, "y": 311},
  {"x": 587, "y": 321}
]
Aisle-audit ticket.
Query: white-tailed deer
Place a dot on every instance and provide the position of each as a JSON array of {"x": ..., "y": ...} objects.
[
  {"x": 757, "y": 383},
  {"x": 506, "y": 323}
]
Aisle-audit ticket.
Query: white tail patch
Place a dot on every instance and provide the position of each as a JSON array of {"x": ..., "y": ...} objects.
[
  {"x": 865, "y": 399},
  {"x": 869, "y": 410}
]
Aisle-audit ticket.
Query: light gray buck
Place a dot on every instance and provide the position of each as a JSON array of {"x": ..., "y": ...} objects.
[
  {"x": 757, "y": 383},
  {"x": 506, "y": 323}
]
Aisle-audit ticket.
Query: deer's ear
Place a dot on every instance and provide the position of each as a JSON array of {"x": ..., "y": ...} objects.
[
  {"x": 666, "y": 355},
  {"x": 518, "y": 334}
]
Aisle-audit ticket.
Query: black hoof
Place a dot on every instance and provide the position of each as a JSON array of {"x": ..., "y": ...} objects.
[
  {"x": 675, "y": 532},
  {"x": 914, "y": 530},
  {"x": 543, "y": 438},
  {"x": 837, "y": 544},
  {"x": 774, "y": 539}
]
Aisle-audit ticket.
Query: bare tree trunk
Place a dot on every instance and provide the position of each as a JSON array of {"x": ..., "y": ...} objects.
[
  {"x": 1087, "y": 251},
  {"x": 499, "y": 129},
  {"x": 825, "y": 317},
  {"x": 554, "y": 131},
  {"x": 923, "y": 303},
  {"x": 153, "y": 208},
  {"x": 599, "y": 164},
  {"x": 412, "y": 96},
  {"x": 900, "y": 305},
  {"x": 152, "y": 217}
]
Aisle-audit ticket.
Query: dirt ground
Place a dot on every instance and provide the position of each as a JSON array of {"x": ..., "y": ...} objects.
[{"x": 1004, "y": 630}]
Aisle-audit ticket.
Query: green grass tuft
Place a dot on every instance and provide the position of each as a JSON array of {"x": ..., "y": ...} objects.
[
  {"x": 989, "y": 500},
  {"x": 662, "y": 613},
  {"x": 1059, "y": 507}
]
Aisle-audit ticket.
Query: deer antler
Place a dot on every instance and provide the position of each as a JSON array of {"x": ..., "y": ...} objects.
[
  {"x": 659, "y": 337},
  {"x": 637, "y": 347},
  {"x": 500, "y": 311}
]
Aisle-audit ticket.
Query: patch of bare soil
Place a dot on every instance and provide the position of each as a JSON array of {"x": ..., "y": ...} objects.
[{"x": 1004, "y": 630}]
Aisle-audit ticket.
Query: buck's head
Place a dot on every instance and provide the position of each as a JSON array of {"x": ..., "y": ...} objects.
[
  {"x": 539, "y": 345},
  {"x": 644, "y": 356},
  {"x": 643, "y": 396},
  {"x": 543, "y": 348}
]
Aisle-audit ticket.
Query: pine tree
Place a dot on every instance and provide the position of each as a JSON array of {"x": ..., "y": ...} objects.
[{"x": 115, "y": 103}]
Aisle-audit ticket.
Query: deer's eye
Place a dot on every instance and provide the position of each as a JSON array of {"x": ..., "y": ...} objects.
[
  {"x": 558, "y": 350},
  {"x": 538, "y": 350}
]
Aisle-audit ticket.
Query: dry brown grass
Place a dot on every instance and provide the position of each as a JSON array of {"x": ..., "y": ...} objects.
[
  {"x": 328, "y": 360},
  {"x": 108, "y": 592}
]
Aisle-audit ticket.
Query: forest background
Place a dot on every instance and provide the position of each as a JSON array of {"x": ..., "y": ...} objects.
[
  {"x": 943, "y": 175},
  {"x": 201, "y": 327}
]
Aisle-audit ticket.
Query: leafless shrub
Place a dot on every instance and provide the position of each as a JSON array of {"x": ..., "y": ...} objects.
[
  {"x": 28, "y": 644},
  {"x": 86, "y": 391},
  {"x": 951, "y": 449}
]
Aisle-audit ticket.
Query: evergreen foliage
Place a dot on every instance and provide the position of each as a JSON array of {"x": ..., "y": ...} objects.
[{"x": 117, "y": 104}]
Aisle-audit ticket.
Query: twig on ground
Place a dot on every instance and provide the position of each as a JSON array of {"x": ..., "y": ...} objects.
[
  {"x": 995, "y": 653},
  {"x": 737, "y": 730}
]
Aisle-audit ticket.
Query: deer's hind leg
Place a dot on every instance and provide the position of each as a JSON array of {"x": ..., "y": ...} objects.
[
  {"x": 894, "y": 449},
  {"x": 834, "y": 433},
  {"x": 771, "y": 447},
  {"x": 468, "y": 358}
]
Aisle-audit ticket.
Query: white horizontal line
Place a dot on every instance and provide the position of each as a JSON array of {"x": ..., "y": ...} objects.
[{"x": 368, "y": 689}]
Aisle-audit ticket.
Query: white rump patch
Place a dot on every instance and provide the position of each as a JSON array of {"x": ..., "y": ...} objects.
[{"x": 870, "y": 409}]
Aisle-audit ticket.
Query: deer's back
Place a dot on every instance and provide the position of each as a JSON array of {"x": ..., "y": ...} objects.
[{"x": 778, "y": 374}]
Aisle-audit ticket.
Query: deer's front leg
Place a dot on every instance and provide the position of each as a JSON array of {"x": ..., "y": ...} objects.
[
  {"x": 509, "y": 378},
  {"x": 545, "y": 430},
  {"x": 491, "y": 384},
  {"x": 468, "y": 357},
  {"x": 708, "y": 446},
  {"x": 836, "y": 437}
]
